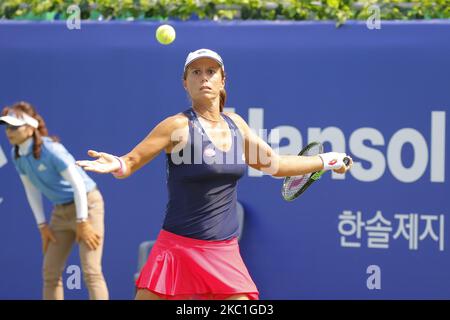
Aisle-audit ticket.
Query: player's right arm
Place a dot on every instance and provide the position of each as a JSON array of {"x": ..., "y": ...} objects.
[{"x": 164, "y": 136}]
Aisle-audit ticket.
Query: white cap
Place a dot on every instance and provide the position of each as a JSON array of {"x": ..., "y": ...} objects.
[
  {"x": 203, "y": 53},
  {"x": 15, "y": 120}
]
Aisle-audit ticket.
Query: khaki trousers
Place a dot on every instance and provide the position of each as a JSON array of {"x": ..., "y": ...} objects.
[{"x": 63, "y": 225}]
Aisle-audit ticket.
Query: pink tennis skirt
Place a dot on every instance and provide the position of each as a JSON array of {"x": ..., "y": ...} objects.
[{"x": 181, "y": 268}]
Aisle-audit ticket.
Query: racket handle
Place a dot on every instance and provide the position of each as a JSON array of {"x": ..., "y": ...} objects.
[{"x": 346, "y": 161}]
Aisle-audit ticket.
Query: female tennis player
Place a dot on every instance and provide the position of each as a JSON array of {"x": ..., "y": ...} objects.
[
  {"x": 196, "y": 254},
  {"x": 46, "y": 167}
]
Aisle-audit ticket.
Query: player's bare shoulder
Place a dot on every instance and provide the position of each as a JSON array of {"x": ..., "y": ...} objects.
[
  {"x": 239, "y": 121},
  {"x": 177, "y": 128},
  {"x": 173, "y": 122}
]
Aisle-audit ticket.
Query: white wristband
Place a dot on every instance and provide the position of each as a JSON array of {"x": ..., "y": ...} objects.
[{"x": 332, "y": 160}]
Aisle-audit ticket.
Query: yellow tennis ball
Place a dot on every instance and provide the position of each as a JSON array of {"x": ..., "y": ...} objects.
[{"x": 165, "y": 34}]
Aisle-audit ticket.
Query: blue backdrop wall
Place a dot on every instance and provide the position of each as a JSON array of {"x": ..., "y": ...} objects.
[{"x": 380, "y": 95}]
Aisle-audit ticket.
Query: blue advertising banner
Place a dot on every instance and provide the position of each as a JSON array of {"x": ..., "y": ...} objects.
[{"x": 382, "y": 96}]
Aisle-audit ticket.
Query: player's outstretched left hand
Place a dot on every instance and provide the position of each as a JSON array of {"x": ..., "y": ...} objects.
[{"x": 105, "y": 163}]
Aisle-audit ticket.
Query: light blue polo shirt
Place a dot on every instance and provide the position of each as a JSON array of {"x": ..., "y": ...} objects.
[{"x": 44, "y": 172}]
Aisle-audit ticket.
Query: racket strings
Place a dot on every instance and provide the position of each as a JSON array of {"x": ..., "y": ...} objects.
[{"x": 293, "y": 184}]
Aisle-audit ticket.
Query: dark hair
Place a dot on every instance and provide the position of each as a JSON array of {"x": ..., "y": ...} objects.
[
  {"x": 22, "y": 107},
  {"x": 223, "y": 93}
]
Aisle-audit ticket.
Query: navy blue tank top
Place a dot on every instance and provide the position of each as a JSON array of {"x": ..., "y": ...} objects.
[{"x": 201, "y": 182}]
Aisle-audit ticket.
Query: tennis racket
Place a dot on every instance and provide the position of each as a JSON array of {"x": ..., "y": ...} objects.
[{"x": 293, "y": 187}]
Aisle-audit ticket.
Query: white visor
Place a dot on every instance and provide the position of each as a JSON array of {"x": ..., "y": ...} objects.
[
  {"x": 203, "y": 53},
  {"x": 14, "y": 120}
]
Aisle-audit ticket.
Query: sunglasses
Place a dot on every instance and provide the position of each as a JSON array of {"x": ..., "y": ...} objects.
[{"x": 12, "y": 128}]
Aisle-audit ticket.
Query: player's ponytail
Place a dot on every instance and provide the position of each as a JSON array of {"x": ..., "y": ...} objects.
[
  {"x": 223, "y": 93},
  {"x": 223, "y": 99}
]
